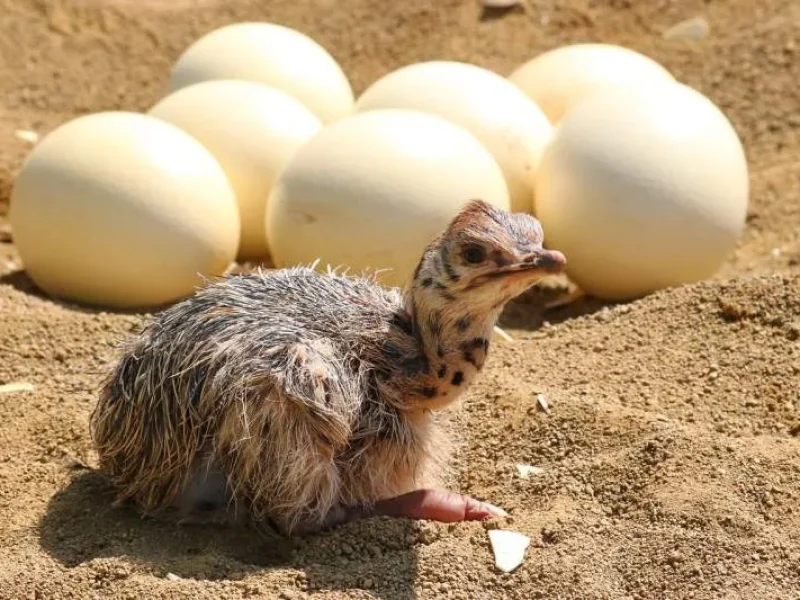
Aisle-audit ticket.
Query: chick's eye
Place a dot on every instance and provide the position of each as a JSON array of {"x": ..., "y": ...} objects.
[{"x": 474, "y": 254}]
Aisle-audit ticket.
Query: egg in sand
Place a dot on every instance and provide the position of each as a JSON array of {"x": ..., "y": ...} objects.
[
  {"x": 508, "y": 123},
  {"x": 122, "y": 210},
  {"x": 643, "y": 189},
  {"x": 369, "y": 192}
]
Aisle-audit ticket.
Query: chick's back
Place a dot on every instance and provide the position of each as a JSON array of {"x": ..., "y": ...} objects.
[{"x": 292, "y": 349}]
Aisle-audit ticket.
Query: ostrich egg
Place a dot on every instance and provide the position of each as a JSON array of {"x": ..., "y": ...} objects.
[
  {"x": 122, "y": 210},
  {"x": 273, "y": 54},
  {"x": 252, "y": 141},
  {"x": 511, "y": 126},
  {"x": 556, "y": 80},
  {"x": 369, "y": 193},
  {"x": 643, "y": 189}
]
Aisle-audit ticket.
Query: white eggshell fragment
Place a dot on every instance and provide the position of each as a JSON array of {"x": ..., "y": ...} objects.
[
  {"x": 643, "y": 189},
  {"x": 558, "y": 79},
  {"x": 511, "y": 126},
  {"x": 272, "y": 54},
  {"x": 526, "y": 471},
  {"x": 369, "y": 192},
  {"x": 252, "y": 130},
  {"x": 509, "y": 548},
  {"x": 122, "y": 210}
]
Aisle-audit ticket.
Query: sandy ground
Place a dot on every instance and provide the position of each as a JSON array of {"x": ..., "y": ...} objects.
[{"x": 671, "y": 452}]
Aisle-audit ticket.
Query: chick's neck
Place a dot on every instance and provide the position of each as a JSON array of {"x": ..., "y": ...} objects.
[{"x": 452, "y": 331}]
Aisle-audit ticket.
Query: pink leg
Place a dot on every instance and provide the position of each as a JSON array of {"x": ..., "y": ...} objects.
[{"x": 431, "y": 505}]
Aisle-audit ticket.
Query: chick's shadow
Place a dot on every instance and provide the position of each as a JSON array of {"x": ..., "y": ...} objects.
[
  {"x": 552, "y": 302},
  {"x": 82, "y": 524}
]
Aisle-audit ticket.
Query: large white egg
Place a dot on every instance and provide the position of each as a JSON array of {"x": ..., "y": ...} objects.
[
  {"x": 273, "y": 54},
  {"x": 370, "y": 192},
  {"x": 511, "y": 126},
  {"x": 252, "y": 130},
  {"x": 122, "y": 210},
  {"x": 643, "y": 189},
  {"x": 557, "y": 79}
]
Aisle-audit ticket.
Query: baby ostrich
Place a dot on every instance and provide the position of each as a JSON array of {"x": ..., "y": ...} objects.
[{"x": 306, "y": 398}]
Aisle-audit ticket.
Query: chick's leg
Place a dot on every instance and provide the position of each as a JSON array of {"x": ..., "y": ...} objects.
[
  {"x": 427, "y": 504},
  {"x": 437, "y": 505}
]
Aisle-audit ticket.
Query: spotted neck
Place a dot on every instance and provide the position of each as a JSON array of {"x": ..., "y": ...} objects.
[
  {"x": 451, "y": 339},
  {"x": 456, "y": 342}
]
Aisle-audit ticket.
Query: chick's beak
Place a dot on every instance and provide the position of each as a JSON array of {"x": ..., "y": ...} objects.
[
  {"x": 534, "y": 265},
  {"x": 550, "y": 261}
]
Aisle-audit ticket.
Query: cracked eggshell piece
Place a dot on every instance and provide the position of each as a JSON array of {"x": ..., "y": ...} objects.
[
  {"x": 369, "y": 193},
  {"x": 122, "y": 210},
  {"x": 509, "y": 548},
  {"x": 560, "y": 78},
  {"x": 643, "y": 189},
  {"x": 272, "y": 54},
  {"x": 252, "y": 130},
  {"x": 508, "y": 123}
]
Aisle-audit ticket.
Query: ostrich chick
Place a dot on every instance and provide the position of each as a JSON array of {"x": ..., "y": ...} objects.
[{"x": 306, "y": 398}]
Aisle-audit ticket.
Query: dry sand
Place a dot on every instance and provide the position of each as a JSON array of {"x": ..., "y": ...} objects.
[{"x": 671, "y": 452}]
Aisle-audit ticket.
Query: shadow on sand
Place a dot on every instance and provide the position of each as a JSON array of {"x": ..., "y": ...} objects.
[
  {"x": 535, "y": 307},
  {"x": 81, "y": 524},
  {"x": 20, "y": 281},
  {"x": 493, "y": 13}
]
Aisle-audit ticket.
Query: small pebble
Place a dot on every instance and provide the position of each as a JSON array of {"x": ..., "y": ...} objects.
[
  {"x": 11, "y": 388},
  {"x": 503, "y": 334},
  {"x": 695, "y": 28},
  {"x": 542, "y": 403},
  {"x": 526, "y": 471},
  {"x": 500, "y": 3},
  {"x": 27, "y": 135}
]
